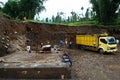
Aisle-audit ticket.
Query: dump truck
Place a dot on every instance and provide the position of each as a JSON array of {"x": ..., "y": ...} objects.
[{"x": 97, "y": 42}]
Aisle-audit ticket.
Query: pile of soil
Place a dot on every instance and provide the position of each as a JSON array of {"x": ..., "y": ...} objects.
[{"x": 9, "y": 31}]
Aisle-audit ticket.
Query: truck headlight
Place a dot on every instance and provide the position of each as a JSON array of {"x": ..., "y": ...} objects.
[{"x": 108, "y": 48}]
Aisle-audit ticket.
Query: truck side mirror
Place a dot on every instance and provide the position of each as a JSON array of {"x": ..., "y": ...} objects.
[{"x": 117, "y": 41}]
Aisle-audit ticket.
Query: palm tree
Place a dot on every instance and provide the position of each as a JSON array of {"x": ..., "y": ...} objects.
[{"x": 32, "y": 7}]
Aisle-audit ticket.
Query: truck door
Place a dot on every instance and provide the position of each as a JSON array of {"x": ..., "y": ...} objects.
[{"x": 102, "y": 45}]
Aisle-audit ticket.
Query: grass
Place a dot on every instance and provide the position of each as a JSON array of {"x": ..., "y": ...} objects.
[
  {"x": 81, "y": 23},
  {"x": 36, "y": 21},
  {"x": 67, "y": 23},
  {"x": 78, "y": 23}
]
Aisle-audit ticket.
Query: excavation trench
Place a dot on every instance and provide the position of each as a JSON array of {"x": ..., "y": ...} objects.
[{"x": 35, "y": 73}]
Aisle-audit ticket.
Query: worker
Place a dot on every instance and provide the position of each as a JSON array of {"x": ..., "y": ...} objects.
[
  {"x": 66, "y": 42},
  {"x": 24, "y": 18},
  {"x": 28, "y": 49},
  {"x": 48, "y": 43},
  {"x": 61, "y": 43},
  {"x": 117, "y": 41},
  {"x": 41, "y": 45},
  {"x": 70, "y": 45}
]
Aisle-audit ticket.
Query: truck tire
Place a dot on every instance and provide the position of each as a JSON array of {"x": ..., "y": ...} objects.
[
  {"x": 82, "y": 48},
  {"x": 101, "y": 51}
]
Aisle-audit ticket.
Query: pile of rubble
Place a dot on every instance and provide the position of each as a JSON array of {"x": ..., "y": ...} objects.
[{"x": 4, "y": 41}]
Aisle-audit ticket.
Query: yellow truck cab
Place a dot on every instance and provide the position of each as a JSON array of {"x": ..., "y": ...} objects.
[
  {"x": 107, "y": 44},
  {"x": 97, "y": 42}
]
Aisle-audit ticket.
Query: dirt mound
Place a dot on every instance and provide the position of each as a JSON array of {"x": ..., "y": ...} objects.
[{"x": 9, "y": 30}]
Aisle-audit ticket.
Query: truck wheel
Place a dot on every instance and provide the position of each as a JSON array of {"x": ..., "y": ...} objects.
[
  {"x": 101, "y": 51},
  {"x": 82, "y": 48}
]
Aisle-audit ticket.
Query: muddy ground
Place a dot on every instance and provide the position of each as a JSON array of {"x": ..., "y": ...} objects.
[{"x": 87, "y": 65}]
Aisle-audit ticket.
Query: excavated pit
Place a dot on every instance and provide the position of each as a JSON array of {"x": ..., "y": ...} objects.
[
  {"x": 34, "y": 66},
  {"x": 36, "y": 33}
]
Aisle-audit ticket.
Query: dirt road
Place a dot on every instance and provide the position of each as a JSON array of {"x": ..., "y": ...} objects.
[{"x": 88, "y": 65}]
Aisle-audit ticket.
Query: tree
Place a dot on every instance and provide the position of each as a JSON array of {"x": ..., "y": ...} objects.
[
  {"x": 74, "y": 16},
  {"x": 92, "y": 15},
  {"x": 53, "y": 18},
  {"x": 58, "y": 17},
  {"x": 118, "y": 14},
  {"x": 82, "y": 8},
  {"x": 31, "y": 7},
  {"x": 11, "y": 8},
  {"x": 23, "y": 8},
  {"x": 105, "y": 10},
  {"x": 1, "y": 4},
  {"x": 87, "y": 14},
  {"x": 68, "y": 19},
  {"x": 47, "y": 20}
]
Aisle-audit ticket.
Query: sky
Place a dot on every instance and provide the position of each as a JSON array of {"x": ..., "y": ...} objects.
[{"x": 66, "y": 6}]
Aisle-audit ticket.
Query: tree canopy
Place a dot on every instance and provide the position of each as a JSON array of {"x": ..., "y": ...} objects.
[
  {"x": 105, "y": 10},
  {"x": 11, "y": 8},
  {"x": 23, "y": 8},
  {"x": 1, "y": 4}
]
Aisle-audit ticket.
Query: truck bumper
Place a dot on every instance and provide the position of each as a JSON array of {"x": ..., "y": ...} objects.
[{"x": 112, "y": 51}]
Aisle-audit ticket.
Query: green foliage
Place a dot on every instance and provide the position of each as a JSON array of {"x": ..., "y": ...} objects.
[
  {"x": 5, "y": 15},
  {"x": 53, "y": 19},
  {"x": 58, "y": 18},
  {"x": 81, "y": 23},
  {"x": 29, "y": 20},
  {"x": 1, "y": 4},
  {"x": 31, "y": 7},
  {"x": 105, "y": 10},
  {"x": 23, "y": 8},
  {"x": 87, "y": 14},
  {"x": 11, "y": 8},
  {"x": 74, "y": 16},
  {"x": 47, "y": 20}
]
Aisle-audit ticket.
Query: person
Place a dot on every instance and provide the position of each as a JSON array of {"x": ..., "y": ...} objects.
[
  {"x": 48, "y": 43},
  {"x": 117, "y": 41},
  {"x": 24, "y": 18},
  {"x": 66, "y": 42},
  {"x": 61, "y": 43},
  {"x": 28, "y": 49},
  {"x": 41, "y": 45},
  {"x": 70, "y": 45}
]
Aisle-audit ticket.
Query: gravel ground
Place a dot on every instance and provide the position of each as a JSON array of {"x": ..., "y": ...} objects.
[{"x": 88, "y": 65}]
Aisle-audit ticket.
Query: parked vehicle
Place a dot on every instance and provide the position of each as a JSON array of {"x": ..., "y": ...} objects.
[{"x": 97, "y": 42}]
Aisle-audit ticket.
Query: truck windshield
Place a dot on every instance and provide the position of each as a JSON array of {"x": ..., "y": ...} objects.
[{"x": 111, "y": 40}]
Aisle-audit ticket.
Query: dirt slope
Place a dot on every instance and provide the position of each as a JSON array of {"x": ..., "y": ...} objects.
[{"x": 36, "y": 33}]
